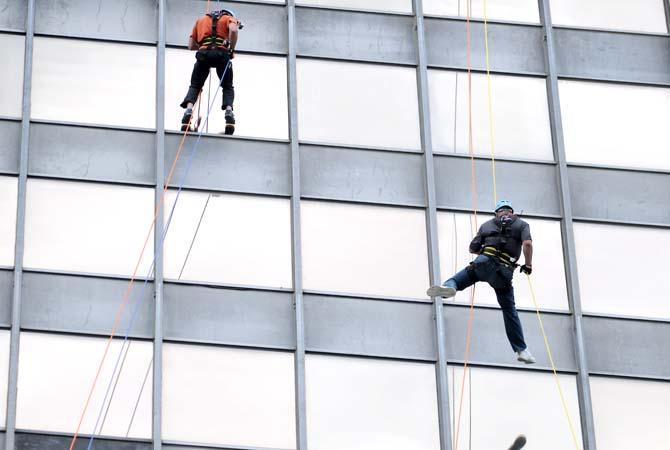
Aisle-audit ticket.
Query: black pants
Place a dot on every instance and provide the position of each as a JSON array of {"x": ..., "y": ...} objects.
[{"x": 204, "y": 60}]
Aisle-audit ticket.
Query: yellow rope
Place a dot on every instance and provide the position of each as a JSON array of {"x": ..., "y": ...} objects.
[
  {"x": 490, "y": 104},
  {"x": 553, "y": 366}
]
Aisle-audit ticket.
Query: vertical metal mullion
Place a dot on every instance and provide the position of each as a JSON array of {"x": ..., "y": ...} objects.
[
  {"x": 15, "y": 334},
  {"x": 569, "y": 254},
  {"x": 666, "y": 7},
  {"x": 441, "y": 372},
  {"x": 299, "y": 360},
  {"x": 157, "y": 392}
]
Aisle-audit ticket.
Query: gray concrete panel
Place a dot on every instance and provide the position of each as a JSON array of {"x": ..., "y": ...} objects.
[
  {"x": 361, "y": 175},
  {"x": 6, "y": 287},
  {"x": 355, "y": 35},
  {"x": 512, "y": 48},
  {"x": 109, "y": 19},
  {"x": 612, "y": 56},
  {"x": 91, "y": 153},
  {"x": 532, "y": 187},
  {"x": 489, "y": 344},
  {"x": 265, "y": 26},
  {"x": 13, "y": 17},
  {"x": 620, "y": 195},
  {"x": 31, "y": 441},
  {"x": 84, "y": 304},
  {"x": 230, "y": 164},
  {"x": 369, "y": 327},
  {"x": 627, "y": 347},
  {"x": 229, "y": 316},
  {"x": 9, "y": 146}
]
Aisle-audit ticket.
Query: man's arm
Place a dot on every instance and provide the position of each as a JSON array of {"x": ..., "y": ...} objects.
[
  {"x": 233, "y": 31},
  {"x": 192, "y": 43},
  {"x": 528, "y": 252}
]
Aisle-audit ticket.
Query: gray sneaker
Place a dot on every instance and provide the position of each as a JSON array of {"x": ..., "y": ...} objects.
[
  {"x": 441, "y": 291},
  {"x": 525, "y": 356}
]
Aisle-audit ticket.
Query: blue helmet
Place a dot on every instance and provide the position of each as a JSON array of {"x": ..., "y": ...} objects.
[{"x": 504, "y": 204}]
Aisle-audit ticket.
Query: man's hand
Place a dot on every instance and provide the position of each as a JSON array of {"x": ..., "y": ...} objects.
[{"x": 526, "y": 269}]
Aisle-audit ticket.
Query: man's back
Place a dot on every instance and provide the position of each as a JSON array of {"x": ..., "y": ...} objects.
[{"x": 203, "y": 29}]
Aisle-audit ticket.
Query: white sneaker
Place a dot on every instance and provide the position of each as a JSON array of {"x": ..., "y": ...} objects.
[
  {"x": 525, "y": 356},
  {"x": 441, "y": 291}
]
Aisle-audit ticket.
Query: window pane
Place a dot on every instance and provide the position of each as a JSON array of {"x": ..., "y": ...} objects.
[
  {"x": 617, "y": 428},
  {"x": 360, "y": 249},
  {"x": 11, "y": 49},
  {"x": 261, "y": 105},
  {"x": 507, "y": 403},
  {"x": 88, "y": 227},
  {"x": 226, "y": 396},
  {"x": 371, "y": 404},
  {"x": 403, "y": 6},
  {"x": 4, "y": 373},
  {"x": 616, "y": 124},
  {"x": 456, "y": 230},
  {"x": 517, "y": 11},
  {"x": 358, "y": 104},
  {"x": 8, "y": 197},
  {"x": 520, "y": 115},
  {"x": 241, "y": 240},
  {"x": 625, "y": 15},
  {"x": 610, "y": 279},
  {"x": 94, "y": 82},
  {"x": 55, "y": 375}
]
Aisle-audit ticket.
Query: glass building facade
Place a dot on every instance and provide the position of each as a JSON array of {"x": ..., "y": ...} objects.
[{"x": 285, "y": 307}]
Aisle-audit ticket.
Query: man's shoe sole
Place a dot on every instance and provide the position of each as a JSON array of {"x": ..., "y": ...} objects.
[
  {"x": 441, "y": 291},
  {"x": 519, "y": 442},
  {"x": 526, "y": 361}
]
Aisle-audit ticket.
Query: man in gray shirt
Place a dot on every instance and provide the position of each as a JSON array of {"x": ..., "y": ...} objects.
[{"x": 498, "y": 244}]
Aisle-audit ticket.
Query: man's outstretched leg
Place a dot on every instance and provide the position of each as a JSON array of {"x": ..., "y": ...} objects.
[{"x": 462, "y": 280}]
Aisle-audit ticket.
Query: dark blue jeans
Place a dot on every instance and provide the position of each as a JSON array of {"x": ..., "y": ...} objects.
[{"x": 485, "y": 268}]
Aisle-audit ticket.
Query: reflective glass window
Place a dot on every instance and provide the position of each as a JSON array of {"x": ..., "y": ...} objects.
[
  {"x": 506, "y": 403},
  {"x": 88, "y": 227},
  {"x": 11, "y": 49},
  {"x": 55, "y": 375},
  {"x": 615, "y": 124},
  {"x": 371, "y": 404},
  {"x": 516, "y": 11},
  {"x": 8, "y": 197},
  {"x": 611, "y": 282},
  {"x": 624, "y": 15},
  {"x": 241, "y": 239},
  {"x": 520, "y": 118},
  {"x": 358, "y": 104},
  {"x": 617, "y": 427},
  {"x": 456, "y": 230},
  {"x": 94, "y": 82},
  {"x": 261, "y": 102},
  {"x": 402, "y": 6},
  {"x": 228, "y": 396},
  {"x": 360, "y": 249}
]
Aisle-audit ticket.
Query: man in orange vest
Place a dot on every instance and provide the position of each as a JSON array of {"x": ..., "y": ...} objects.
[{"x": 214, "y": 38}]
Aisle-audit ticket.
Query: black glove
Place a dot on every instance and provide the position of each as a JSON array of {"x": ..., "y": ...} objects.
[{"x": 526, "y": 269}]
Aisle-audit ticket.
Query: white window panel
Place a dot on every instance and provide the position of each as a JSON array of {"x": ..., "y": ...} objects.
[
  {"x": 617, "y": 428},
  {"x": 360, "y": 249},
  {"x": 4, "y": 373},
  {"x": 506, "y": 403},
  {"x": 370, "y": 404},
  {"x": 94, "y": 82},
  {"x": 520, "y": 115},
  {"x": 242, "y": 239},
  {"x": 616, "y": 124},
  {"x": 358, "y": 104},
  {"x": 455, "y": 231},
  {"x": 623, "y": 269},
  {"x": 8, "y": 197},
  {"x": 515, "y": 11},
  {"x": 401, "y": 6},
  {"x": 623, "y": 15},
  {"x": 261, "y": 102},
  {"x": 11, "y": 94},
  {"x": 226, "y": 396},
  {"x": 55, "y": 376},
  {"x": 88, "y": 227}
]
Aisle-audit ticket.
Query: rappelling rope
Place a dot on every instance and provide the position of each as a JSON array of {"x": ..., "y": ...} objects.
[{"x": 490, "y": 104}]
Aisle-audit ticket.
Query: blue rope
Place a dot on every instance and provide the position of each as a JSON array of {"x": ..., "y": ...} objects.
[{"x": 153, "y": 263}]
